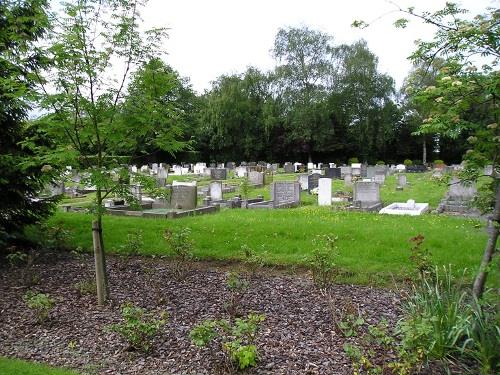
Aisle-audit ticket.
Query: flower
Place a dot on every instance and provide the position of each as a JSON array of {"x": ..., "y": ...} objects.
[
  {"x": 46, "y": 168},
  {"x": 430, "y": 88},
  {"x": 492, "y": 126},
  {"x": 456, "y": 83},
  {"x": 446, "y": 78},
  {"x": 439, "y": 100},
  {"x": 472, "y": 139}
]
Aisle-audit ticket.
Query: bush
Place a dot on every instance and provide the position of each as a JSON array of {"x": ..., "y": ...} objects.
[
  {"x": 133, "y": 244},
  {"x": 352, "y": 160},
  {"x": 418, "y": 162},
  {"x": 40, "y": 303},
  {"x": 236, "y": 341},
  {"x": 438, "y": 162},
  {"x": 408, "y": 163},
  {"x": 138, "y": 327},
  {"x": 181, "y": 246},
  {"x": 380, "y": 162},
  {"x": 322, "y": 261},
  {"x": 237, "y": 287},
  {"x": 86, "y": 287}
]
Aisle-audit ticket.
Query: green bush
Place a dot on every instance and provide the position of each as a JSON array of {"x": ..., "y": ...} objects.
[
  {"x": 353, "y": 160},
  {"x": 408, "y": 163},
  {"x": 380, "y": 162},
  {"x": 134, "y": 243},
  {"x": 236, "y": 341},
  {"x": 181, "y": 245},
  {"x": 322, "y": 261},
  {"x": 40, "y": 303},
  {"x": 138, "y": 327},
  {"x": 438, "y": 162}
]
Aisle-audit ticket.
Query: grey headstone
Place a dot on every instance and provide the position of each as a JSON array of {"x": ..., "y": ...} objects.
[
  {"x": 460, "y": 191},
  {"x": 313, "y": 181},
  {"x": 289, "y": 168},
  {"x": 256, "y": 178},
  {"x": 215, "y": 190},
  {"x": 183, "y": 197},
  {"x": 285, "y": 192},
  {"x": 218, "y": 173},
  {"x": 367, "y": 193}
]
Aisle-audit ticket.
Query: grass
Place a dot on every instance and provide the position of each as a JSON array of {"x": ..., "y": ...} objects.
[
  {"x": 9, "y": 366},
  {"x": 373, "y": 248}
]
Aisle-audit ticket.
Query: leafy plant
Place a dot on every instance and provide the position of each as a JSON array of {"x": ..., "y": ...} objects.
[
  {"x": 252, "y": 261},
  {"x": 245, "y": 187},
  {"x": 181, "y": 246},
  {"x": 138, "y": 327},
  {"x": 40, "y": 303},
  {"x": 408, "y": 163},
  {"x": 134, "y": 243},
  {"x": 86, "y": 287},
  {"x": 350, "y": 323},
  {"x": 322, "y": 261},
  {"x": 236, "y": 341},
  {"x": 237, "y": 287},
  {"x": 353, "y": 160},
  {"x": 421, "y": 257}
]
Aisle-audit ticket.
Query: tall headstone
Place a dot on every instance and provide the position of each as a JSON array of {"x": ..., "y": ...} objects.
[
  {"x": 333, "y": 173},
  {"x": 370, "y": 171},
  {"x": 162, "y": 176},
  {"x": 356, "y": 169},
  {"x": 285, "y": 192},
  {"x": 303, "y": 180},
  {"x": 256, "y": 178},
  {"x": 183, "y": 197},
  {"x": 366, "y": 194},
  {"x": 325, "y": 192},
  {"x": 348, "y": 179},
  {"x": 313, "y": 181},
  {"x": 401, "y": 180},
  {"x": 460, "y": 191},
  {"x": 215, "y": 191},
  {"x": 289, "y": 168},
  {"x": 241, "y": 171},
  {"x": 218, "y": 173},
  {"x": 344, "y": 171},
  {"x": 379, "y": 177}
]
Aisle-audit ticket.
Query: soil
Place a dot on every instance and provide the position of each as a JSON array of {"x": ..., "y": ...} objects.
[{"x": 298, "y": 336}]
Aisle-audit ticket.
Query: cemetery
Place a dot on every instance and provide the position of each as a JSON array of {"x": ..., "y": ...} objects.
[{"x": 321, "y": 214}]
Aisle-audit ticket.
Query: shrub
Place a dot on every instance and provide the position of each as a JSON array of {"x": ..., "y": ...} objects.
[
  {"x": 237, "y": 287},
  {"x": 421, "y": 257},
  {"x": 380, "y": 162},
  {"x": 352, "y": 160},
  {"x": 86, "y": 287},
  {"x": 418, "y": 162},
  {"x": 134, "y": 243},
  {"x": 245, "y": 187},
  {"x": 40, "y": 303},
  {"x": 181, "y": 246},
  {"x": 322, "y": 261},
  {"x": 408, "y": 163},
  {"x": 236, "y": 341},
  {"x": 438, "y": 162},
  {"x": 252, "y": 261},
  {"x": 138, "y": 327}
]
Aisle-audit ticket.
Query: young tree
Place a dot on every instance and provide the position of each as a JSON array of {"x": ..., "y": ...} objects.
[
  {"x": 22, "y": 23},
  {"x": 97, "y": 44},
  {"x": 465, "y": 98}
]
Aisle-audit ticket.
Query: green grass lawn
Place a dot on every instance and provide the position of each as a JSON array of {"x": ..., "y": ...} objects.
[
  {"x": 372, "y": 247},
  {"x": 10, "y": 366}
]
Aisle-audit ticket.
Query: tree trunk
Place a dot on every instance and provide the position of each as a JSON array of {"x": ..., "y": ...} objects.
[
  {"x": 100, "y": 270},
  {"x": 490, "y": 248},
  {"x": 424, "y": 152}
]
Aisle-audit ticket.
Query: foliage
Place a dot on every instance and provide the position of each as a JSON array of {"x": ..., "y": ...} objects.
[
  {"x": 235, "y": 340},
  {"x": 408, "y": 163},
  {"x": 353, "y": 160},
  {"x": 245, "y": 187},
  {"x": 139, "y": 327},
  {"x": 40, "y": 303},
  {"x": 237, "y": 287},
  {"x": 134, "y": 243},
  {"x": 421, "y": 257},
  {"x": 252, "y": 260},
  {"x": 181, "y": 245},
  {"x": 86, "y": 287},
  {"x": 322, "y": 261},
  {"x": 22, "y": 24}
]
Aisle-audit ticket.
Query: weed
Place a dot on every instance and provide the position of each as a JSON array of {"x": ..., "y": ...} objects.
[
  {"x": 133, "y": 244},
  {"x": 252, "y": 261},
  {"x": 235, "y": 341},
  {"x": 237, "y": 287},
  {"x": 181, "y": 244},
  {"x": 421, "y": 257},
  {"x": 322, "y": 261},
  {"x": 138, "y": 327},
  {"x": 86, "y": 287},
  {"x": 40, "y": 303}
]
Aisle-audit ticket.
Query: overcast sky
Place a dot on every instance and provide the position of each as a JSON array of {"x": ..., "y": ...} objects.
[{"x": 211, "y": 38}]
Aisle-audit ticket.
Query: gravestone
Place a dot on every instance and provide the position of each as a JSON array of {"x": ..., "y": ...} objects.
[
  {"x": 230, "y": 165},
  {"x": 364, "y": 171},
  {"x": 289, "y": 168},
  {"x": 356, "y": 169},
  {"x": 273, "y": 167},
  {"x": 325, "y": 192},
  {"x": 460, "y": 191},
  {"x": 402, "y": 180},
  {"x": 370, "y": 172},
  {"x": 310, "y": 166},
  {"x": 348, "y": 179},
  {"x": 256, "y": 178},
  {"x": 303, "y": 180},
  {"x": 313, "y": 181},
  {"x": 162, "y": 176},
  {"x": 215, "y": 191},
  {"x": 183, "y": 197},
  {"x": 285, "y": 192},
  {"x": 366, "y": 195},
  {"x": 241, "y": 171},
  {"x": 379, "y": 177},
  {"x": 136, "y": 191},
  {"x": 333, "y": 173},
  {"x": 218, "y": 173},
  {"x": 344, "y": 170},
  {"x": 458, "y": 198}
]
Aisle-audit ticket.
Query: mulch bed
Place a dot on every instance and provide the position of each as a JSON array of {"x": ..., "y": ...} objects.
[{"x": 298, "y": 335}]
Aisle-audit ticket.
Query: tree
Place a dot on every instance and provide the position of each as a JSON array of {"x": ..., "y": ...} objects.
[
  {"x": 465, "y": 99},
  {"x": 95, "y": 47},
  {"x": 303, "y": 75},
  {"x": 22, "y": 177}
]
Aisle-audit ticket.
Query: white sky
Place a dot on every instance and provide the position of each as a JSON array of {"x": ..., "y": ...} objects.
[{"x": 208, "y": 38}]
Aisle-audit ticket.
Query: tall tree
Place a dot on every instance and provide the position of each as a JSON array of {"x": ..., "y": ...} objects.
[
  {"x": 303, "y": 75},
  {"x": 22, "y": 23},
  {"x": 96, "y": 46}
]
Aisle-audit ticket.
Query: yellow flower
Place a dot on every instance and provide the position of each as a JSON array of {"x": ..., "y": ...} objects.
[
  {"x": 456, "y": 83},
  {"x": 439, "y": 100}
]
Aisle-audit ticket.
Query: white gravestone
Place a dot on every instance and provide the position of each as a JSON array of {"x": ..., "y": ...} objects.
[{"x": 325, "y": 192}]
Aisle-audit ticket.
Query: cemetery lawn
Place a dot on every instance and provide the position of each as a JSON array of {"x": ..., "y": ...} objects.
[
  {"x": 372, "y": 249},
  {"x": 10, "y": 366}
]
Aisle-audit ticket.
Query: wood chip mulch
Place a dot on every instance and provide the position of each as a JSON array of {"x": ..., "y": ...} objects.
[{"x": 298, "y": 335}]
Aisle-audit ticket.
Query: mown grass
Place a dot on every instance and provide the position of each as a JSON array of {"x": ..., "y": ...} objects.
[
  {"x": 9, "y": 366},
  {"x": 372, "y": 248}
]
